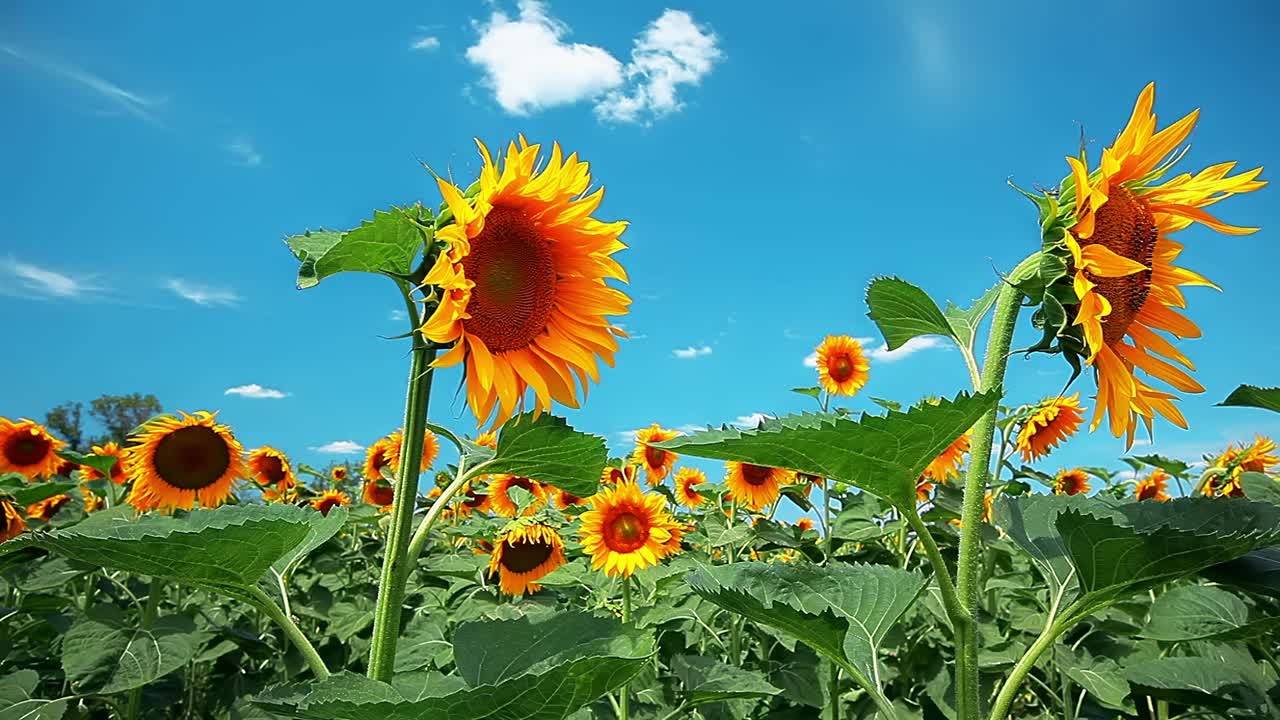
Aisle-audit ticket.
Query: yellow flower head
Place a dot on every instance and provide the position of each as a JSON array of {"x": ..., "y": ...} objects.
[
  {"x": 270, "y": 468},
  {"x": 755, "y": 485},
  {"x": 178, "y": 460},
  {"x": 500, "y": 500},
  {"x": 656, "y": 463},
  {"x": 842, "y": 368},
  {"x": 28, "y": 449},
  {"x": 524, "y": 555},
  {"x": 627, "y": 530},
  {"x": 686, "y": 479},
  {"x": 47, "y": 508},
  {"x": 1153, "y": 486},
  {"x": 947, "y": 464},
  {"x": 329, "y": 499},
  {"x": 110, "y": 449},
  {"x": 1053, "y": 420},
  {"x": 1071, "y": 482}
]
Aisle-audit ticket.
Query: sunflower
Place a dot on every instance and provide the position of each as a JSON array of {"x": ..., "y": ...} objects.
[
  {"x": 1257, "y": 456},
  {"x": 656, "y": 462},
  {"x": 338, "y": 473},
  {"x": 686, "y": 478},
  {"x": 269, "y": 466},
  {"x": 92, "y": 502},
  {"x": 11, "y": 523},
  {"x": 329, "y": 499},
  {"x": 472, "y": 501},
  {"x": 805, "y": 524},
  {"x": 500, "y": 500},
  {"x": 522, "y": 283},
  {"x": 524, "y": 555},
  {"x": 28, "y": 449},
  {"x": 1122, "y": 263},
  {"x": 110, "y": 449},
  {"x": 987, "y": 501},
  {"x": 756, "y": 485},
  {"x": 1055, "y": 419},
  {"x": 66, "y": 467},
  {"x": 565, "y": 499},
  {"x": 1071, "y": 482},
  {"x": 1153, "y": 487},
  {"x": 177, "y": 460},
  {"x": 805, "y": 482},
  {"x": 947, "y": 464},
  {"x": 287, "y": 496},
  {"x": 47, "y": 508},
  {"x": 488, "y": 438},
  {"x": 379, "y": 493},
  {"x": 842, "y": 368},
  {"x": 626, "y": 530},
  {"x": 611, "y": 475},
  {"x": 376, "y": 458},
  {"x": 430, "y": 448},
  {"x": 924, "y": 488}
]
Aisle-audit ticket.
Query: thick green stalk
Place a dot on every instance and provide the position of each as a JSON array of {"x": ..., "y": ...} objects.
[
  {"x": 293, "y": 632},
  {"x": 833, "y": 681},
  {"x": 1013, "y": 682},
  {"x": 386, "y": 614},
  {"x": 148, "y": 617},
  {"x": 437, "y": 508},
  {"x": 624, "y": 694}
]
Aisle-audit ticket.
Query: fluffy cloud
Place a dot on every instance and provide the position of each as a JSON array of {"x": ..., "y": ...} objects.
[
  {"x": 691, "y": 352},
  {"x": 340, "y": 447},
  {"x": 254, "y": 390},
  {"x": 672, "y": 51},
  {"x": 32, "y": 281},
  {"x": 751, "y": 421}
]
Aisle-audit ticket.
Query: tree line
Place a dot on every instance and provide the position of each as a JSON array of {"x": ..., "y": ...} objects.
[{"x": 117, "y": 415}]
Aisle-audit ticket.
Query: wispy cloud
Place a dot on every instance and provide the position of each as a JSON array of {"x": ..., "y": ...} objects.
[
  {"x": 202, "y": 294},
  {"x": 22, "y": 279},
  {"x": 878, "y": 352},
  {"x": 340, "y": 447},
  {"x": 254, "y": 390},
  {"x": 671, "y": 52},
  {"x": 243, "y": 152},
  {"x": 691, "y": 352},
  {"x": 751, "y": 421},
  {"x": 632, "y": 334},
  {"x": 425, "y": 43},
  {"x": 137, "y": 105},
  {"x": 398, "y": 315}
]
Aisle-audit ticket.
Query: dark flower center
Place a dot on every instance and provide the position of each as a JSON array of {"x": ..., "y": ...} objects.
[
  {"x": 271, "y": 470},
  {"x": 192, "y": 457},
  {"x": 626, "y": 532},
  {"x": 755, "y": 475},
  {"x": 841, "y": 369},
  {"x": 654, "y": 457},
  {"x": 515, "y": 281},
  {"x": 522, "y": 557},
  {"x": 1126, "y": 227},
  {"x": 23, "y": 448}
]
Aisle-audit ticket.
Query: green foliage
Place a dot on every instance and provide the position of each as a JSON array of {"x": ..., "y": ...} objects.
[
  {"x": 18, "y": 701},
  {"x": 1254, "y": 396},
  {"x": 120, "y": 414},
  {"x": 548, "y": 450},
  {"x": 1194, "y": 681},
  {"x": 964, "y": 322},
  {"x": 387, "y": 245},
  {"x": 1200, "y": 612},
  {"x": 707, "y": 680},
  {"x": 105, "y": 653},
  {"x": 903, "y": 311}
]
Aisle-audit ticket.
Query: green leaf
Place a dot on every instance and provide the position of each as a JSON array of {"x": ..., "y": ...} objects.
[
  {"x": 1101, "y": 676},
  {"x": 964, "y": 322},
  {"x": 903, "y": 311},
  {"x": 707, "y": 680},
  {"x": 1193, "y": 681},
  {"x": 423, "y": 645},
  {"x": 105, "y": 653},
  {"x": 548, "y": 450},
  {"x": 41, "y": 491},
  {"x": 1257, "y": 572},
  {"x": 881, "y": 454},
  {"x": 1031, "y": 522},
  {"x": 842, "y": 611},
  {"x": 1260, "y": 486},
  {"x": 16, "y": 701},
  {"x": 101, "y": 463},
  {"x": 319, "y": 530},
  {"x": 1177, "y": 468},
  {"x": 812, "y": 392},
  {"x": 1253, "y": 396},
  {"x": 387, "y": 244},
  {"x": 1200, "y": 612}
]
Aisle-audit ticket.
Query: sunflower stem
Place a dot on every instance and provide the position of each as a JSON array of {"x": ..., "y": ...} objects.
[
  {"x": 148, "y": 617},
  {"x": 624, "y": 693},
  {"x": 395, "y": 573},
  {"x": 292, "y": 631},
  {"x": 433, "y": 513}
]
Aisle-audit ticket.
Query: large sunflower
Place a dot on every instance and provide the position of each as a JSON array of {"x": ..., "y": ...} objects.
[
  {"x": 1153, "y": 486},
  {"x": 756, "y": 485},
  {"x": 1071, "y": 482},
  {"x": 500, "y": 500},
  {"x": 524, "y": 555},
  {"x": 947, "y": 464},
  {"x": 842, "y": 368},
  {"x": 11, "y": 523},
  {"x": 522, "y": 283},
  {"x": 269, "y": 467},
  {"x": 177, "y": 460},
  {"x": 686, "y": 478},
  {"x": 329, "y": 499},
  {"x": 1122, "y": 263},
  {"x": 110, "y": 449},
  {"x": 1055, "y": 419},
  {"x": 656, "y": 462},
  {"x": 626, "y": 530},
  {"x": 28, "y": 449},
  {"x": 430, "y": 448}
]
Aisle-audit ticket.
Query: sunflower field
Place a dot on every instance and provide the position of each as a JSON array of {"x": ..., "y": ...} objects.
[{"x": 511, "y": 569}]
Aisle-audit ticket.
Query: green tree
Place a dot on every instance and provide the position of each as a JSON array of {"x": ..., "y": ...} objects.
[
  {"x": 118, "y": 414},
  {"x": 66, "y": 422}
]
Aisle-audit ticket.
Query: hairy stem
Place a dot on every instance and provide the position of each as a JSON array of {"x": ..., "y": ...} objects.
[
  {"x": 293, "y": 632},
  {"x": 624, "y": 693}
]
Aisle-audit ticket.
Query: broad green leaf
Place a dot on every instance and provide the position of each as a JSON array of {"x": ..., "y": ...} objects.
[
  {"x": 319, "y": 530},
  {"x": 106, "y": 653},
  {"x": 1257, "y": 571},
  {"x": 903, "y": 311},
  {"x": 707, "y": 680},
  {"x": 812, "y": 392},
  {"x": 881, "y": 454},
  {"x": 964, "y": 322},
  {"x": 548, "y": 450},
  {"x": 17, "y": 701},
  {"x": 1031, "y": 522},
  {"x": 1200, "y": 681},
  {"x": 387, "y": 244},
  {"x": 1254, "y": 396},
  {"x": 52, "y": 573},
  {"x": 423, "y": 645},
  {"x": 101, "y": 463},
  {"x": 1177, "y": 468},
  {"x": 1201, "y": 612},
  {"x": 40, "y": 491},
  {"x": 842, "y": 611},
  {"x": 1260, "y": 486},
  {"x": 1101, "y": 676}
]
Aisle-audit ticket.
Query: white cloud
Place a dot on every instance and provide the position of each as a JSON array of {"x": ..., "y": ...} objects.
[
  {"x": 672, "y": 51},
  {"x": 878, "y": 352},
  {"x": 32, "y": 281},
  {"x": 254, "y": 390},
  {"x": 203, "y": 294},
  {"x": 529, "y": 67},
  {"x": 399, "y": 315},
  {"x": 340, "y": 447},
  {"x": 752, "y": 421},
  {"x": 691, "y": 352},
  {"x": 132, "y": 103},
  {"x": 243, "y": 152},
  {"x": 811, "y": 360},
  {"x": 425, "y": 42}
]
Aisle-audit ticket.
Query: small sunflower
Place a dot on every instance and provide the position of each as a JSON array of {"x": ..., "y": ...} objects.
[
  {"x": 842, "y": 368},
  {"x": 28, "y": 449},
  {"x": 626, "y": 530},
  {"x": 379, "y": 493},
  {"x": 338, "y": 474},
  {"x": 656, "y": 463},
  {"x": 1153, "y": 486},
  {"x": 66, "y": 467},
  {"x": 947, "y": 464},
  {"x": 500, "y": 500},
  {"x": 1052, "y": 421},
  {"x": 376, "y": 459},
  {"x": 523, "y": 293},
  {"x": 11, "y": 523},
  {"x": 110, "y": 449},
  {"x": 756, "y": 485},
  {"x": 1258, "y": 456},
  {"x": 987, "y": 501},
  {"x": 177, "y": 460},
  {"x": 524, "y": 555},
  {"x": 686, "y": 479},
  {"x": 329, "y": 499},
  {"x": 47, "y": 508},
  {"x": 1071, "y": 482},
  {"x": 611, "y": 475},
  {"x": 269, "y": 467},
  {"x": 430, "y": 449},
  {"x": 805, "y": 524}
]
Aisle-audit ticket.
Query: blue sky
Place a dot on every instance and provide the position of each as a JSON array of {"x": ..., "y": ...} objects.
[{"x": 770, "y": 162}]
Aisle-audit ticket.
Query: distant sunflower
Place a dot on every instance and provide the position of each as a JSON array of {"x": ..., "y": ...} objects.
[
  {"x": 92, "y": 503},
  {"x": 656, "y": 462},
  {"x": 1071, "y": 482},
  {"x": 1055, "y": 419},
  {"x": 488, "y": 438},
  {"x": 805, "y": 524},
  {"x": 338, "y": 473},
  {"x": 430, "y": 449},
  {"x": 524, "y": 555},
  {"x": 28, "y": 449},
  {"x": 379, "y": 493},
  {"x": 756, "y": 485},
  {"x": 376, "y": 458},
  {"x": 47, "y": 508},
  {"x": 611, "y": 475},
  {"x": 269, "y": 467},
  {"x": 500, "y": 500},
  {"x": 987, "y": 502},
  {"x": 924, "y": 489},
  {"x": 947, "y": 464},
  {"x": 1123, "y": 259},
  {"x": 110, "y": 449},
  {"x": 1258, "y": 456},
  {"x": 806, "y": 482},
  {"x": 626, "y": 530},
  {"x": 1153, "y": 487},
  {"x": 842, "y": 368},
  {"x": 11, "y": 523},
  {"x": 66, "y": 467},
  {"x": 522, "y": 283},
  {"x": 329, "y": 499},
  {"x": 178, "y": 460},
  {"x": 566, "y": 500},
  {"x": 686, "y": 479}
]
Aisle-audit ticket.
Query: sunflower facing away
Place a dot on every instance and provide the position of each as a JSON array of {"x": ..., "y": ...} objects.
[
  {"x": 755, "y": 485},
  {"x": 1123, "y": 267},
  {"x": 686, "y": 479},
  {"x": 1055, "y": 419},
  {"x": 1258, "y": 456},
  {"x": 524, "y": 555},
  {"x": 842, "y": 368},
  {"x": 270, "y": 468},
  {"x": 523, "y": 283},
  {"x": 117, "y": 470},
  {"x": 627, "y": 530},
  {"x": 177, "y": 460},
  {"x": 1071, "y": 482},
  {"x": 500, "y": 500},
  {"x": 947, "y": 464},
  {"x": 11, "y": 523},
  {"x": 28, "y": 449},
  {"x": 1153, "y": 486},
  {"x": 338, "y": 474},
  {"x": 47, "y": 508},
  {"x": 329, "y": 499},
  {"x": 655, "y": 461}
]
